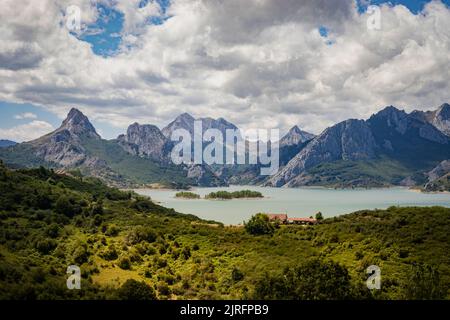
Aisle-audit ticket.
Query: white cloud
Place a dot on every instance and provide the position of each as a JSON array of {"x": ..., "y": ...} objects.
[
  {"x": 25, "y": 115},
  {"x": 26, "y": 132},
  {"x": 256, "y": 62}
]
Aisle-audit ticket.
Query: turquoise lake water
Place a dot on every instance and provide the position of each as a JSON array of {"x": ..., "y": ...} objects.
[{"x": 301, "y": 202}]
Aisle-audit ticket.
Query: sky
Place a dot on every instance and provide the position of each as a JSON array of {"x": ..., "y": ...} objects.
[{"x": 257, "y": 63}]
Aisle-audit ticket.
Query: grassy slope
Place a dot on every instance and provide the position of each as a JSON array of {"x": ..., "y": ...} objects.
[
  {"x": 20, "y": 156},
  {"x": 136, "y": 169},
  {"x": 34, "y": 260},
  {"x": 373, "y": 173}
]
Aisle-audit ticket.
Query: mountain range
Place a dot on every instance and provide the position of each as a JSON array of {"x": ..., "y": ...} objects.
[{"x": 392, "y": 147}]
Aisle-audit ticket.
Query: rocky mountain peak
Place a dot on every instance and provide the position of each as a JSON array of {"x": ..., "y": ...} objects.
[
  {"x": 77, "y": 123},
  {"x": 144, "y": 140},
  {"x": 393, "y": 117},
  {"x": 295, "y": 136}
]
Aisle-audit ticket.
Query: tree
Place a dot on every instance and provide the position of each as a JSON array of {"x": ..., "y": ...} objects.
[
  {"x": 135, "y": 290},
  {"x": 424, "y": 283},
  {"x": 315, "y": 279},
  {"x": 259, "y": 224},
  {"x": 237, "y": 275},
  {"x": 319, "y": 216},
  {"x": 67, "y": 206}
]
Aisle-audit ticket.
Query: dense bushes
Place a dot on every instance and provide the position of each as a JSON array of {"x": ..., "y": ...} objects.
[
  {"x": 259, "y": 224},
  {"x": 136, "y": 290},
  {"x": 139, "y": 234},
  {"x": 313, "y": 280},
  {"x": 424, "y": 283}
]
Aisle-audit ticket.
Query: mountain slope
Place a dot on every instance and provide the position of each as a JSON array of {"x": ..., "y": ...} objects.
[
  {"x": 7, "y": 143},
  {"x": 145, "y": 140},
  {"x": 439, "y": 118},
  {"x": 383, "y": 150},
  {"x": 348, "y": 140}
]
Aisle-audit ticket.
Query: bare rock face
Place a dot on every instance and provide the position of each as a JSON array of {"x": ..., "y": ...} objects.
[
  {"x": 408, "y": 125},
  {"x": 63, "y": 146},
  {"x": 442, "y": 119},
  {"x": 394, "y": 118},
  {"x": 145, "y": 140},
  {"x": 183, "y": 121},
  {"x": 295, "y": 136},
  {"x": 79, "y": 125},
  {"x": 186, "y": 121},
  {"x": 439, "y": 118},
  {"x": 203, "y": 175},
  {"x": 439, "y": 171},
  {"x": 348, "y": 140}
]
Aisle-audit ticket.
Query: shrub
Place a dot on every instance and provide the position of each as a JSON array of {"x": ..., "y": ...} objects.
[
  {"x": 259, "y": 224},
  {"x": 67, "y": 206},
  {"x": 112, "y": 230},
  {"x": 81, "y": 254},
  {"x": 45, "y": 246},
  {"x": 237, "y": 275},
  {"x": 313, "y": 280},
  {"x": 424, "y": 283},
  {"x": 124, "y": 263},
  {"x": 110, "y": 253},
  {"x": 140, "y": 234},
  {"x": 135, "y": 290},
  {"x": 186, "y": 253},
  {"x": 52, "y": 230},
  {"x": 163, "y": 289}
]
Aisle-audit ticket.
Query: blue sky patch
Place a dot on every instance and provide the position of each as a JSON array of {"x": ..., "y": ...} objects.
[
  {"x": 104, "y": 36},
  {"x": 415, "y": 6}
]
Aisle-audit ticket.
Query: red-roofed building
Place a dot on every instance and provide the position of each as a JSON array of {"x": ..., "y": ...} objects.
[{"x": 281, "y": 217}]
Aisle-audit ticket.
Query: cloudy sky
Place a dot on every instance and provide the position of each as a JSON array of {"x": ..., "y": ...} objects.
[{"x": 257, "y": 63}]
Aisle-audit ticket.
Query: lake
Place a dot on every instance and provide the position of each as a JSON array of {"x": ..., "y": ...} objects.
[{"x": 298, "y": 202}]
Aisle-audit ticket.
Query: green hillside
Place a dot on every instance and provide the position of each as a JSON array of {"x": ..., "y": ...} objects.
[
  {"x": 130, "y": 248},
  {"x": 136, "y": 169},
  {"x": 379, "y": 172}
]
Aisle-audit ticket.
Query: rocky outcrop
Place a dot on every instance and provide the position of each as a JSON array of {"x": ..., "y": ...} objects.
[
  {"x": 146, "y": 141},
  {"x": 407, "y": 126},
  {"x": 186, "y": 121},
  {"x": 203, "y": 175},
  {"x": 439, "y": 171},
  {"x": 439, "y": 118}
]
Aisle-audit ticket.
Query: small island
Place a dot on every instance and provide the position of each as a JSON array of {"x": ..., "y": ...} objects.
[
  {"x": 187, "y": 195},
  {"x": 225, "y": 195}
]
